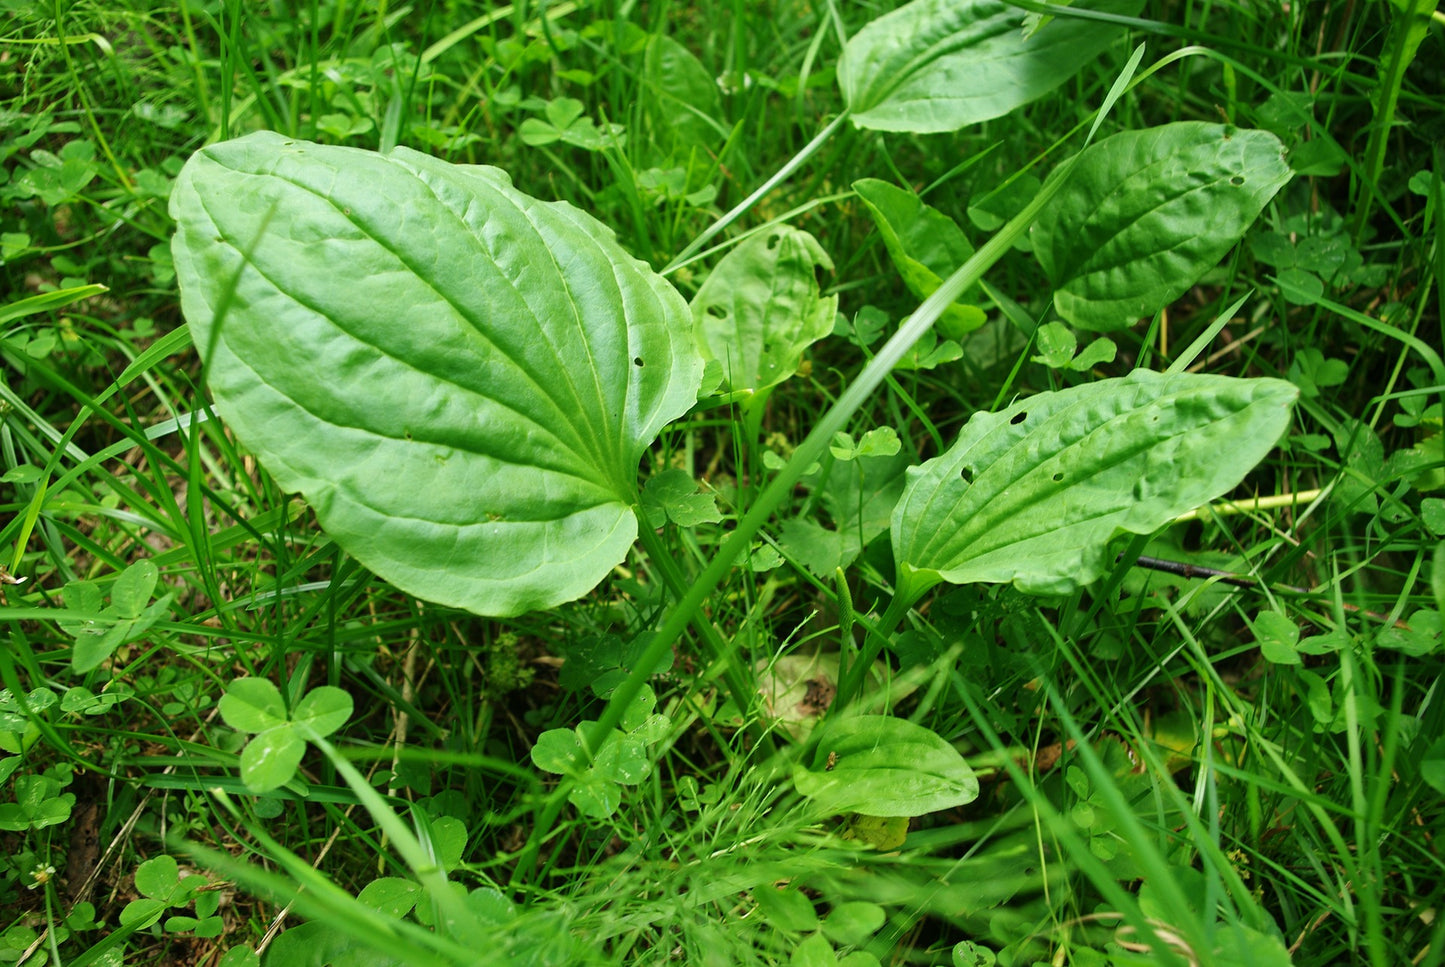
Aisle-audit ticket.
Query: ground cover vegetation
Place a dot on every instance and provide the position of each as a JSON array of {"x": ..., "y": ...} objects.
[{"x": 780, "y": 483}]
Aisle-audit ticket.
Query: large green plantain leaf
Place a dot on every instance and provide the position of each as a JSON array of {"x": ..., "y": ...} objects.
[
  {"x": 459, "y": 378},
  {"x": 1034, "y": 493},
  {"x": 939, "y": 65},
  {"x": 1146, "y": 213}
]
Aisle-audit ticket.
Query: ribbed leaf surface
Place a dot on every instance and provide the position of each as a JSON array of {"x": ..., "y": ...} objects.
[
  {"x": 939, "y": 65},
  {"x": 1032, "y": 494},
  {"x": 459, "y": 378},
  {"x": 1146, "y": 213}
]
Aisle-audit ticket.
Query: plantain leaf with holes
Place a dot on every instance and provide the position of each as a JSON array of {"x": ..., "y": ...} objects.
[
  {"x": 459, "y": 378},
  {"x": 1146, "y": 213},
  {"x": 761, "y": 307},
  {"x": 1033, "y": 494}
]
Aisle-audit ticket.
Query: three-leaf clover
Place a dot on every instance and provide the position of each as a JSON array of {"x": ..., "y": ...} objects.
[
  {"x": 161, "y": 885},
  {"x": 80, "y": 700},
  {"x": 1057, "y": 344},
  {"x": 565, "y": 123},
  {"x": 602, "y": 662},
  {"x": 38, "y": 803},
  {"x": 17, "y": 731},
  {"x": 673, "y": 496},
  {"x": 255, "y": 705},
  {"x": 621, "y": 760},
  {"x": 126, "y": 618},
  {"x": 880, "y": 442}
]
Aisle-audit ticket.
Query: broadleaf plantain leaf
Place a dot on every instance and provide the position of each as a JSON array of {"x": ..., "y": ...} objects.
[
  {"x": 680, "y": 98},
  {"x": 884, "y": 766},
  {"x": 1146, "y": 213},
  {"x": 1033, "y": 494},
  {"x": 460, "y": 379},
  {"x": 939, "y": 65},
  {"x": 760, "y": 308}
]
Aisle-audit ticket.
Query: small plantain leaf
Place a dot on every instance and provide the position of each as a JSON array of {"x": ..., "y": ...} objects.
[
  {"x": 938, "y": 65},
  {"x": 316, "y": 943},
  {"x": 1034, "y": 493},
  {"x": 926, "y": 246},
  {"x": 761, "y": 307},
  {"x": 1146, "y": 213},
  {"x": 459, "y": 378},
  {"x": 884, "y": 766},
  {"x": 133, "y": 589},
  {"x": 680, "y": 98}
]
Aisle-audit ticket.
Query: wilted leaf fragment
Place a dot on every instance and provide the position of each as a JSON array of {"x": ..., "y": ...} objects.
[
  {"x": 1032, "y": 494},
  {"x": 1146, "y": 213},
  {"x": 938, "y": 65},
  {"x": 761, "y": 307},
  {"x": 926, "y": 246},
  {"x": 885, "y": 766},
  {"x": 459, "y": 378}
]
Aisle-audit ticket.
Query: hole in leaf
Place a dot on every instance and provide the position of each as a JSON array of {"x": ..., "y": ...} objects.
[
  {"x": 773, "y": 242},
  {"x": 1018, "y": 418},
  {"x": 716, "y": 311},
  {"x": 966, "y": 474},
  {"x": 1058, "y": 477},
  {"x": 1237, "y": 180},
  {"x": 637, "y": 360}
]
